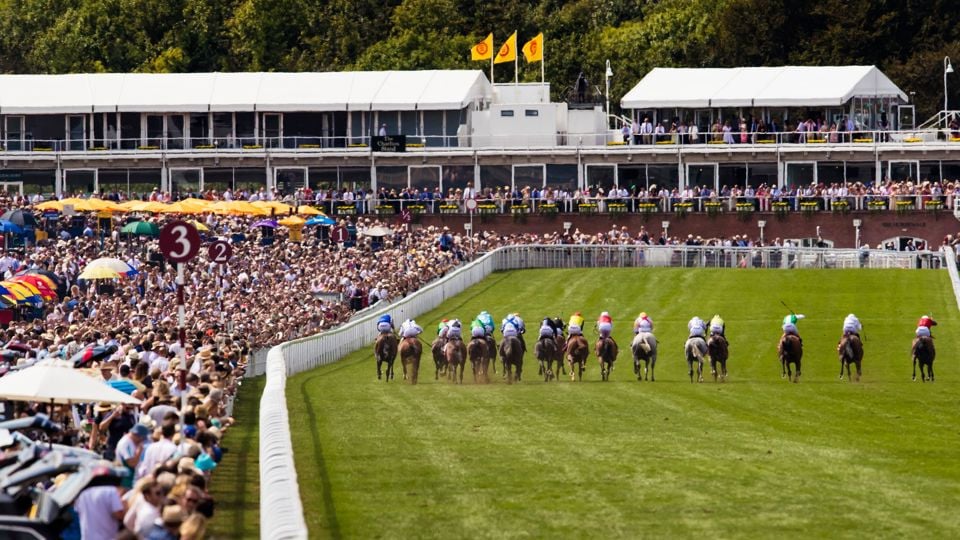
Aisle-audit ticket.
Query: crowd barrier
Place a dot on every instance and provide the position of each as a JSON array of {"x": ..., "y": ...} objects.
[{"x": 281, "y": 510}]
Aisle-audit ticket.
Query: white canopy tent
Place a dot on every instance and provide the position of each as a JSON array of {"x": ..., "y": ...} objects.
[
  {"x": 785, "y": 86},
  {"x": 225, "y": 92}
]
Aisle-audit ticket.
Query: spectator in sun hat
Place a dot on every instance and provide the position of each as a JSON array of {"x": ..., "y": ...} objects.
[{"x": 130, "y": 451}]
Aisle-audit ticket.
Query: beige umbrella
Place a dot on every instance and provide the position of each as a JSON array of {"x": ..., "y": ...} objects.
[
  {"x": 376, "y": 231},
  {"x": 55, "y": 381}
]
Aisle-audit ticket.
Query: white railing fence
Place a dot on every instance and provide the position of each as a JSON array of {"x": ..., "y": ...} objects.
[{"x": 281, "y": 510}]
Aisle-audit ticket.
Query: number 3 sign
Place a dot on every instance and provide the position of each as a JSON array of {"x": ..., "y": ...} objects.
[{"x": 179, "y": 241}]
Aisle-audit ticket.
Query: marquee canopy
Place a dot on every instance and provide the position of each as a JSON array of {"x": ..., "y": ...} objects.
[
  {"x": 786, "y": 86},
  {"x": 224, "y": 92}
]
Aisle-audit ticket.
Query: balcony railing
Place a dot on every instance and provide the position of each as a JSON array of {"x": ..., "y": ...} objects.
[
  {"x": 741, "y": 206},
  {"x": 608, "y": 139}
]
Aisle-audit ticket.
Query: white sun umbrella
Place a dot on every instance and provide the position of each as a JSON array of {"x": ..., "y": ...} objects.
[
  {"x": 112, "y": 263},
  {"x": 376, "y": 231},
  {"x": 56, "y": 381}
]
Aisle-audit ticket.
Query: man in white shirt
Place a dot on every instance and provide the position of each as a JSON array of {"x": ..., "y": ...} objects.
[
  {"x": 159, "y": 451},
  {"x": 100, "y": 509}
]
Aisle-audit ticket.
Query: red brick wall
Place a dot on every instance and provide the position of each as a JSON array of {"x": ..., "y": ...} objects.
[{"x": 836, "y": 227}]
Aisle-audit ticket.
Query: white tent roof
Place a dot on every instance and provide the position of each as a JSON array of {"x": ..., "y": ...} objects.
[
  {"x": 202, "y": 92},
  {"x": 786, "y": 86}
]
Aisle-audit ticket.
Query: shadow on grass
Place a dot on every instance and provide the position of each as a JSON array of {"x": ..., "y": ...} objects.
[
  {"x": 235, "y": 485},
  {"x": 329, "y": 509}
]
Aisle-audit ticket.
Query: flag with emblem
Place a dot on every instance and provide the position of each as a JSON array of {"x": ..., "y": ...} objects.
[
  {"x": 533, "y": 50},
  {"x": 482, "y": 50},
  {"x": 508, "y": 51}
]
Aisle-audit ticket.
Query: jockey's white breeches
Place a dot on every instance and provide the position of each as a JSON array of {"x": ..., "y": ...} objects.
[{"x": 923, "y": 331}]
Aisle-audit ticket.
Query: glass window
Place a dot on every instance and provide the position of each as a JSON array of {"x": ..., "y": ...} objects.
[
  {"x": 358, "y": 128},
  {"x": 457, "y": 176},
  {"x": 302, "y": 130},
  {"x": 249, "y": 179},
  {"x": 634, "y": 177},
  {"x": 323, "y": 178},
  {"x": 863, "y": 172},
  {"x": 355, "y": 178},
  {"x": 223, "y": 129},
  {"x": 184, "y": 182},
  {"x": 129, "y": 130},
  {"x": 951, "y": 171},
  {"x": 929, "y": 170},
  {"x": 218, "y": 179},
  {"x": 565, "y": 176},
  {"x": 391, "y": 178},
  {"x": 45, "y": 129},
  {"x": 390, "y": 120},
  {"x": 701, "y": 175},
  {"x": 733, "y": 175},
  {"x": 42, "y": 182},
  {"x": 433, "y": 128},
  {"x": 289, "y": 180},
  {"x": 410, "y": 124},
  {"x": 199, "y": 130},
  {"x": 143, "y": 181},
  {"x": 79, "y": 182},
  {"x": 799, "y": 174},
  {"x": 425, "y": 179},
  {"x": 528, "y": 175},
  {"x": 830, "y": 173},
  {"x": 112, "y": 180},
  {"x": 175, "y": 131},
  {"x": 531, "y": 112},
  {"x": 493, "y": 177},
  {"x": 764, "y": 173},
  {"x": 506, "y": 113},
  {"x": 662, "y": 177},
  {"x": 154, "y": 131},
  {"x": 245, "y": 128}
]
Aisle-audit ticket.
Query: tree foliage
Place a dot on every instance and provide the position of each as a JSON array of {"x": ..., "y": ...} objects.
[{"x": 906, "y": 38}]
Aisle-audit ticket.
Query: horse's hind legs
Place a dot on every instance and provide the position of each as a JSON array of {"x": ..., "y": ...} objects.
[
  {"x": 379, "y": 370},
  {"x": 930, "y": 371},
  {"x": 915, "y": 371}
]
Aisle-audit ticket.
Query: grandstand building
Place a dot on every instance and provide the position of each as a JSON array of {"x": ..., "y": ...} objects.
[{"x": 189, "y": 133}]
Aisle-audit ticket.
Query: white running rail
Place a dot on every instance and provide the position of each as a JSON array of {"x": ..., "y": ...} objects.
[{"x": 281, "y": 510}]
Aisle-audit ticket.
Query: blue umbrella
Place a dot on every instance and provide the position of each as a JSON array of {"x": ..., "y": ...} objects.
[
  {"x": 272, "y": 223},
  {"x": 10, "y": 227},
  {"x": 123, "y": 385},
  {"x": 321, "y": 220}
]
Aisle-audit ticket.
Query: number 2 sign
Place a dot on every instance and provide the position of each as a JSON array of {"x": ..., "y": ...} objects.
[
  {"x": 220, "y": 252},
  {"x": 179, "y": 241}
]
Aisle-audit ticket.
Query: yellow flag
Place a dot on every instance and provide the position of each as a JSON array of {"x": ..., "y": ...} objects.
[
  {"x": 482, "y": 50},
  {"x": 533, "y": 50},
  {"x": 508, "y": 51}
]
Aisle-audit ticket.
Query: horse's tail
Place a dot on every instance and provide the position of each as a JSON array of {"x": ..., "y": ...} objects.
[{"x": 694, "y": 348}]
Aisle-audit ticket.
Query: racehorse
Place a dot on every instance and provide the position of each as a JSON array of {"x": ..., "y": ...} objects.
[
  {"x": 385, "y": 349},
  {"x": 455, "y": 353},
  {"x": 695, "y": 349},
  {"x": 850, "y": 350},
  {"x": 491, "y": 354},
  {"x": 410, "y": 351},
  {"x": 439, "y": 360},
  {"x": 477, "y": 352},
  {"x": 790, "y": 350},
  {"x": 577, "y": 352},
  {"x": 719, "y": 350},
  {"x": 607, "y": 351},
  {"x": 546, "y": 352},
  {"x": 511, "y": 353},
  {"x": 924, "y": 352},
  {"x": 644, "y": 349}
]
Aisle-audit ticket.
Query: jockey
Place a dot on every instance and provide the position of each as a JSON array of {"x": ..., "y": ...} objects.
[
  {"x": 476, "y": 329},
  {"x": 642, "y": 324},
  {"x": 604, "y": 324},
  {"x": 697, "y": 327},
  {"x": 442, "y": 328},
  {"x": 487, "y": 321},
  {"x": 717, "y": 326},
  {"x": 410, "y": 328},
  {"x": 924, "y": 325},
  {"x": 575, "y": 324},
  {"x": 790, "y": 324},
  {"x": 851, "y": 325},
  {"x": 385, "y": 324},
  {"x": 453, "y": 330},
  {"x": 558, "y": 327},
  {"x": 512, "y": 325},
  {"x": 547, "y": 328}
]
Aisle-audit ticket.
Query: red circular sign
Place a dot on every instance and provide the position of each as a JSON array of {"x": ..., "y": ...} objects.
[
  {"x": 179, "y": 241},
  {"x": 482, "y": 47},
  {"x": 533, "y": 47},
  {"x": 339, "y": 234},
  {"x": 504, "y": 51},
  {"x": 220, "y": 251}
]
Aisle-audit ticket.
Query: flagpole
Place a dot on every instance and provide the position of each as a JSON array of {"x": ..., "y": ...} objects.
[
  {"x": 543, "y": 70},
  {"x": 516, "y": 60},
  {"x": 491, "y": 67}
]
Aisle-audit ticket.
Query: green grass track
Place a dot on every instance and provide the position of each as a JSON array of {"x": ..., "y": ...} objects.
[{"x": 756, "y": 457}]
